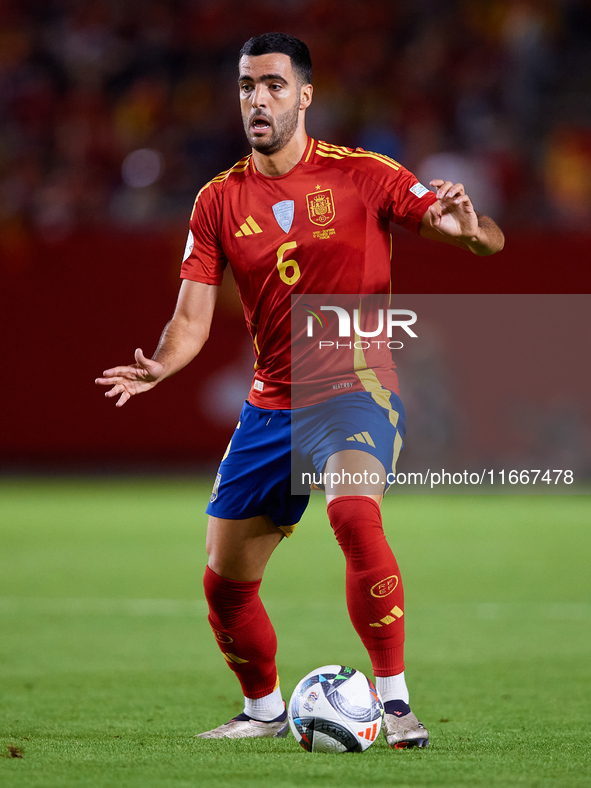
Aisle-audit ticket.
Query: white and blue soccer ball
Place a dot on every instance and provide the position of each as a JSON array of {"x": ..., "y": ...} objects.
[{"x": 335, "y": 709}]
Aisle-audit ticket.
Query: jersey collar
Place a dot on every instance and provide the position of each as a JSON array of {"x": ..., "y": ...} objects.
[{"x": 305, "y": 158}]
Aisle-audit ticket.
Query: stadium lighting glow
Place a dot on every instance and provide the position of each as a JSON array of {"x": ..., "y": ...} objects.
[{"x": 142, "y": 168}]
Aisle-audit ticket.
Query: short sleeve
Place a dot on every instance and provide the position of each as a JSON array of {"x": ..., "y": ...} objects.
[
  {"x": 204, "y": 261},
  {"x": 392, "y": 191},
  {"x": 411, "y": 201}
]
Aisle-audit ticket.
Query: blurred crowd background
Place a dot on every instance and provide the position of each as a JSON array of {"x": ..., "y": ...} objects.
[{"x": 116, "y": 111}]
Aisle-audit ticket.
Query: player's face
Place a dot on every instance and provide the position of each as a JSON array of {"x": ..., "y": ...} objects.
[{"x": 270, "y": 101}]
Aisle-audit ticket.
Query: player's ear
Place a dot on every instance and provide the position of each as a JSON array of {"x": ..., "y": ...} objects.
[{"x": 306, "y": 96}]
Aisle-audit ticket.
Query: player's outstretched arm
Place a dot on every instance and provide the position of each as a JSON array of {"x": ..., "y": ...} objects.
[
  {"x": 453, "y": 220},
  {"x": 181, "y": 340}
]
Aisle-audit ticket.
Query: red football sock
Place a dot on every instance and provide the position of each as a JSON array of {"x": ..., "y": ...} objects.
[
  {"x": 243, "y": 631},
  {"x": 374, "y": 589}
]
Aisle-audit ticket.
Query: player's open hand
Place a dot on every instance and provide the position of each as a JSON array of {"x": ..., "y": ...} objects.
[
  {"x": 131, "y": 380},
  {"x": 453, "y": 214}
]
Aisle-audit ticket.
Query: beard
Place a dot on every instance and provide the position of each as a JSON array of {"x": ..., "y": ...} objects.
[{"x": 282, "y": 130}]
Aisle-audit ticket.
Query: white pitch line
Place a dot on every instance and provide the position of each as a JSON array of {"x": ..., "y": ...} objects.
[{"x": 80, "y": 606}]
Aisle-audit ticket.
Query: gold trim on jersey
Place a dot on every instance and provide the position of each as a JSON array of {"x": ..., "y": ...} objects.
[
  {"x": 255, "y": 342},
  {"x": 339, "y": 152},
  {"x": 359, "y": 155},
  {"x": 228, "y": 447},
  {"x": 336, "y": 148},
  {"x": 359, "y": 361},
  {"x": 369, "y": 381},
  {"x": 240, "y": 166},
  {"x": 346, "y": 151}
]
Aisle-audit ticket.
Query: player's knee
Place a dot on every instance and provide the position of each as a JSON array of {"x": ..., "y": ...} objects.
[
  {"x": 231, "y": 603},
  {"x": 356, "y": 521}
]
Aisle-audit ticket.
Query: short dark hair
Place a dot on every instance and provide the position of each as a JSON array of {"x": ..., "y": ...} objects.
[{"x": 284, "y": 44}]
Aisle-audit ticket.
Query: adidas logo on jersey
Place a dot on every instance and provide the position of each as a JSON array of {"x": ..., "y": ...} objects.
[{"x": 250, "y": 227}]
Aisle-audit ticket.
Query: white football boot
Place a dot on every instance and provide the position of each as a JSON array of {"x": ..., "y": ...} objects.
[
  {"x": 244, "y": 727},
  {"x": 401, "y": 727}
]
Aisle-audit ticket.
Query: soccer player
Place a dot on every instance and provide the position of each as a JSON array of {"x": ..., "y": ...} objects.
[{"x": 300, "y": 216}]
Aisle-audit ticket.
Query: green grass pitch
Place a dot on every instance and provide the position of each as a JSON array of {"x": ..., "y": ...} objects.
[{"x": 108, "y": 667}]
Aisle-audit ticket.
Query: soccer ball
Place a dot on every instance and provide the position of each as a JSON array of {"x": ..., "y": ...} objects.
[{"x": 335, "y": 709}]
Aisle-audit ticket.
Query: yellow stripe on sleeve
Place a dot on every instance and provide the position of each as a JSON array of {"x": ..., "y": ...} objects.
[
  {"x": 336, "y": 152},
  {"x": 238, "y": 167}
]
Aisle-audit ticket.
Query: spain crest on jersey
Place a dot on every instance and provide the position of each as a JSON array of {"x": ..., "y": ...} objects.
[{"x": 321, "y": 207}]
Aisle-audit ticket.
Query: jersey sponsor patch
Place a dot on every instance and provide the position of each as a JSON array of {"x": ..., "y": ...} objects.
[
  {"x": 284, "y": 212},
  {"x": 419, "y": 189},
  {"x": 258, "y": 385},
  {"x": 189, "y": 246}
]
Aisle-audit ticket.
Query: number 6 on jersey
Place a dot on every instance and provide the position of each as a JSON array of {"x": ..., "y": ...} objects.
[{"x": 283, "y": 265}]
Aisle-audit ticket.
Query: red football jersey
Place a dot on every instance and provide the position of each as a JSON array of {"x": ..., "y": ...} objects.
[{"x": 322, "y": 228}]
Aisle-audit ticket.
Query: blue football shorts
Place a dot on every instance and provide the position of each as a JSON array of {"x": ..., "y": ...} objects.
[{"x": 255, "y": 474}]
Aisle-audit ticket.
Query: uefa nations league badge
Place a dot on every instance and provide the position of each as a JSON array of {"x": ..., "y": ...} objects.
[
  {"x": 216, "y": 484},
  {"x": 284, "y": 214}
]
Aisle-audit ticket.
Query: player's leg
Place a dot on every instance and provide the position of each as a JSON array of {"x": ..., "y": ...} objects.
[
  {"x": 375, "y": 597},
  {"x": 250, "y": 512},
  {"x": 238, "y": 553},
  {"x": 240, "y": 549}
]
